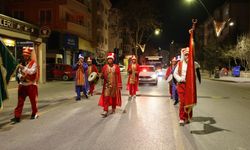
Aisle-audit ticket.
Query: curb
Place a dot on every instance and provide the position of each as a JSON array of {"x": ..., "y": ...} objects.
[{"x": 232, "y": 81}]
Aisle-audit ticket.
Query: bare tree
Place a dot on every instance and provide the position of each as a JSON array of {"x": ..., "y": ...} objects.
[
  {"x": 140, "y": 17},
  {"x": 241, "y": 51},
  {"x": 243, "y": 46}
]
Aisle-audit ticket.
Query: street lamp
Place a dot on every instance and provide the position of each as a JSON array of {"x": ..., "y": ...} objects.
[
  {"x": 231, "y": 24},
  {"x": 203, "y": 5},
  {"x": 157, "y": 31}
]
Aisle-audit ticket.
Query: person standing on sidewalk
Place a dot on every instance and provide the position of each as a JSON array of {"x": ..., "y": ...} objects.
[
  {"x": 111, "y": 92},
  {"x": 180, "y": 75},
  {"x": 133, "y": 78},
  {"x": 28, "y": 75},
  {"x": 82, "y": 84},
  {"x": 91, "y": 68}
]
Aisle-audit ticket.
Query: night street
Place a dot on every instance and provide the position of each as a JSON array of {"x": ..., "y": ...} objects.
[
  {"x": 70, "y": 71},
  {"x": 150, "y": 122}
]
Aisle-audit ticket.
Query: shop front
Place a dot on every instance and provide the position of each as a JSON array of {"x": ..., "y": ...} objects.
[
  {"x": 16, "y": 34},
  {"x": 85, "y": 48}
]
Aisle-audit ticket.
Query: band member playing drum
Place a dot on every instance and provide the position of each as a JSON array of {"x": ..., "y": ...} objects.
[
  {"x": 82, "y": 83},
  {"x": 133, "y": 78},
  {"x": 91, "y": 68},
  {"x": 111, "y": 92},
  {"x": 27, "y": 75}
]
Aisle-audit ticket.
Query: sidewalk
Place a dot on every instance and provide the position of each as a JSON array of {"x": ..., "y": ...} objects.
[
  {"x": 232, "y": 79},
  {"x": 244, "y": 78}
]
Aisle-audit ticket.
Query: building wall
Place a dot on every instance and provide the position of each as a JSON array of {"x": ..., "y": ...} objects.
[
  {"x": 68, "y": 17},
  {"x": 15, "y": 34},
  {"x": 115, "y": 37},
  {"x": 101, "y": 24},
  {"x": 232, "y": 11}
]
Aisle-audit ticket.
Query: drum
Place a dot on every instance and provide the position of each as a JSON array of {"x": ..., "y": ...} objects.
[{"x": 93, "y": 78}]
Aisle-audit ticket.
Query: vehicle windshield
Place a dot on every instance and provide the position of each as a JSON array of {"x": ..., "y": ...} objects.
[{"x": 147, "y": 69}]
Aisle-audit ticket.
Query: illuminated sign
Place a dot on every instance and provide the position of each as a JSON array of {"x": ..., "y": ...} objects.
[
  {"x": 9, "y": 42},
  {"x": 18, "y": 25}
]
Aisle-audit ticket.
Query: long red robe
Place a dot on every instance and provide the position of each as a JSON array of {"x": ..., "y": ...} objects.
[
  {"x": 92, "y": 68},
  {"x": 119, "y": 85},
  {"x": 136, "y": 76}
]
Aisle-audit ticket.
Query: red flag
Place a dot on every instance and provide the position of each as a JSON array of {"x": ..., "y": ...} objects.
[{"x": 190, "y": 93}]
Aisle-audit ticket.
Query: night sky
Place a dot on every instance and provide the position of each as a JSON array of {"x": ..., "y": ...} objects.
[{"x": 176, "y": 16}]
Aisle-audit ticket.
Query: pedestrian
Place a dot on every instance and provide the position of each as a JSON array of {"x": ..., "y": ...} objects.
[
  {"x": 28, "y": 75},
  {"x": 111, "y": 92},
  {"x": 133, "y": 78},
  {"x": 174, "y": 82},
  {"x": 91, "y": 68},
  {"x": 169, "y": 76},
  {"x": 180, "y": 76},
  {"x": 81, "y": 83}
]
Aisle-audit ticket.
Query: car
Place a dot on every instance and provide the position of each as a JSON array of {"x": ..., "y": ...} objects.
[
  {"x": 122, "y": 68},
  {"x": 148, "y": 74},
  {"x": 59, "y": 72}
]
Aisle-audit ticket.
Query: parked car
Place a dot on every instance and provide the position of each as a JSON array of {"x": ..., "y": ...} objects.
[
  {"x": 59, "y": 72},
  {"x": 122, "y": 68},
  {"x": 148, "y": 74}
]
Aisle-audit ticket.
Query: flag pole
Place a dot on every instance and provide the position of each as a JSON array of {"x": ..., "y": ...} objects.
[{"x": 190, "y": 92}]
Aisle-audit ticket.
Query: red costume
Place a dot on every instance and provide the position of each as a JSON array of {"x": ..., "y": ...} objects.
[
  {"x": 91, "y": 68},
  {"x": 180, "y": 75},
  {"x": 28, "y": 76},
  {"x": 186, "y": 87},
  {"x": 133, "y": 78},
  {"x": 168, "y": 73},
  {"x": 111, "y": 92}
]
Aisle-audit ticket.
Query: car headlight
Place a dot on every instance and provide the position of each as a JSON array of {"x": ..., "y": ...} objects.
[{"x": 154, "y": 76}]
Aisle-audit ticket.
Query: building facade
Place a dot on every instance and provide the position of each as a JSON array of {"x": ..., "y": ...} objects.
[
  {"x": 101, "y": 24},
  {"x": 68, "y": 21},
  {"x": 17, "y": 34},
  {"x": 234, "y": 16}
]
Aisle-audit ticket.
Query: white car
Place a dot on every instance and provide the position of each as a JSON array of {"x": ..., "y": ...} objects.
[
  {"x": 148, "y": 74},
  {"x": 122, "y": 68}
]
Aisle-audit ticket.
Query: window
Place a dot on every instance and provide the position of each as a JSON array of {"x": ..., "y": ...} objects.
[
  {"x": 19, "y": 14},
  {"x": 45, "y": 16}
]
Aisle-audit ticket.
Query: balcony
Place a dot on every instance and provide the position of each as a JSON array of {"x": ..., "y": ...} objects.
[
  {"x": 79, "y": 30},
  {"x": 76, "y": 5}
]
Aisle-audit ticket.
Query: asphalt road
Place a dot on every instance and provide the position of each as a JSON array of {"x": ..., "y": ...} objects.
[{"x": 150, "y": 122}]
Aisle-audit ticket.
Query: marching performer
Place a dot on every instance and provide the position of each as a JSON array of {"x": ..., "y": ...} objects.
[
  {"x": 180, "y": 76},
  {"x": 28, "y": 75},
  {"x": 169, "y": 76},
  {"x": 133, "y": 78},
  {"x": 91, "y": 68},
  {"x": 174, "y": 82},
  {"x": 185, "y": 75},
  {"x": 111, "y": 92},
  {"x": 82, "y": 84}
]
